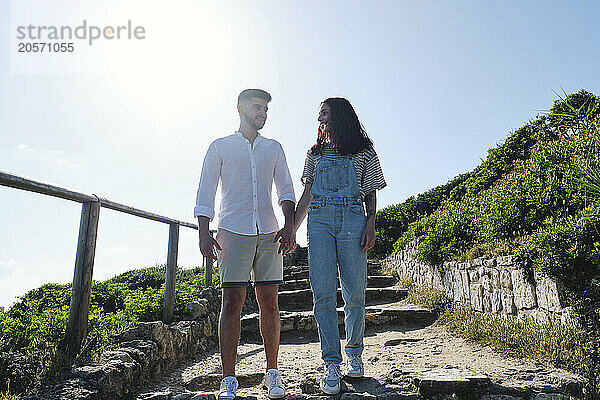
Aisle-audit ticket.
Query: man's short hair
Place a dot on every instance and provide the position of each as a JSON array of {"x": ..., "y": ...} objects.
[{"x": 246, "y": 96}]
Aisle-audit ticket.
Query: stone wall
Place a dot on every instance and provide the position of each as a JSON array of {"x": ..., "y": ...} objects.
[
  {"x": 495, "y": 285},
  {"x": 144, "y": 352}
]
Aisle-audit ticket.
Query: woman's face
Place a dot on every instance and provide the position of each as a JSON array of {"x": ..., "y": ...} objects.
[{"x": 324, "y": 114}]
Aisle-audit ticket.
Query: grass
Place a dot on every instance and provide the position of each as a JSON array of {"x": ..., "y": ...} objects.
[
  {"x": 564, "y": 346},
  {"x": 32, "y": 329}
]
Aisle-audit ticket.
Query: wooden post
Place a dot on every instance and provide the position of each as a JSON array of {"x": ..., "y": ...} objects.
[
  {"x": 171, "y": 273},
  {"x": 82, "y": 278},
  {"x": 208, "y": 262}
]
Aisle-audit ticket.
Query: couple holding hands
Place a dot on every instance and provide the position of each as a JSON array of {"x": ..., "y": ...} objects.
[{"x": 341, "y": 172}]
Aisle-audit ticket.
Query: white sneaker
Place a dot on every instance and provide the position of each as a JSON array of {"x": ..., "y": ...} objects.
[
  {"x": 330, "y": 384},
  {"x": 272, "y": 382},
  {"x": 228, "y": 387},
  {"x": 355, "y": 367}
]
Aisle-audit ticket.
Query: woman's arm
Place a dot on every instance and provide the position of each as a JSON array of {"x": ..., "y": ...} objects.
[
  {"x": 368, "y": 236},
  {"x": 302, "y": 206}
]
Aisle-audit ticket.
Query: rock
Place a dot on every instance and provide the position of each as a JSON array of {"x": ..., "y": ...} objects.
[
  {"x": 357, "y": 396},
  {"x": 450, "y": 380},
  {"x": 112, "y": 378},
  {"x": 202, "y": 396},
  {"x": 155, "y": 396},
  {"x": 145, "y": 352},
  {"x": 496, "y": 301},
  {"x": 310, "y": 385},
  {"x": 213, "y": 381},
  {"x": 197, "y": 309},
  {"x": 548, "y": 295},
  {"x": 195, "y": 396},
  {"x": 182, "y": 396},
  {"x": 476, "y": 291},
  {"x": 551, "y": 396},
  {"x": 394, "y": 395},
  {"x": 506, "y": 280},
  {"x": 508, "y": 303},
  {"x": 71, "y": 389},
  {"x": 395, "y": 342},
  {"x": 523, "y": 291},
  {"x": 116, "y": 355},
  {"x": 287, "y": 324},
  {"x": 307, "y": 324},
  {"x": 204, "y": 382}
]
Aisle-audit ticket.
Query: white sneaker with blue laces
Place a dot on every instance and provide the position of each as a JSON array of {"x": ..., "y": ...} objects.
[
  {"x": 272, "y": 382},
  {"x": 330, "y": 384},
  {"x": 228, "y": 388},
  {"x": 355, "y": 367}
]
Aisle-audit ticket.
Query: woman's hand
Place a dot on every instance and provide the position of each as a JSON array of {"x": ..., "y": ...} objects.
[
  {"x": 302, "y": 206},
  {"x": 368, "y": 237},
  {"x": 287, "y": 239}
]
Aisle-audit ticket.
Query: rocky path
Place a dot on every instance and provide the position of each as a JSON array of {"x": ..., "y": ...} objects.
[{"x": 406, "y": 355}]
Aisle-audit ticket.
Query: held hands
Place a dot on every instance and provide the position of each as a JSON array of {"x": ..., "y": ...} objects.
[
  {"x": 287, "y": 239},
  {"x": 208, "y": 245}
]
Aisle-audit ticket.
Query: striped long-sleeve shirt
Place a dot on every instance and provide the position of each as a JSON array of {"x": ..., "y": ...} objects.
[{"x": 366, "y": 164}]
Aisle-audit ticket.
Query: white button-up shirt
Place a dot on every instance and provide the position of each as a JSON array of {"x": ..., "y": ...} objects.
[{"x": 247, "y": 173}]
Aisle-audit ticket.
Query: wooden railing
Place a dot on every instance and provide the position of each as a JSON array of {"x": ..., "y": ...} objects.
[{"x": 86, "y": 247}]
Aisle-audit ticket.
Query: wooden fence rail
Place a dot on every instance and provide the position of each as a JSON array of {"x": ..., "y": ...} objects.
[{"x": 86, "y": 248}]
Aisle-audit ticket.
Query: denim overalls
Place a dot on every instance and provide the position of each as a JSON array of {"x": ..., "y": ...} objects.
[{"x": 336, "y": 221}]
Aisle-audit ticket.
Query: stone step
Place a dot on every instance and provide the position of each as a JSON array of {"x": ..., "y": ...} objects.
[
  {"x": 303, "y": 321},
  {"x": 377, "y": 281},
  {"x": 208, "y": 393},
  {"x": 301, "y": 272},
  {"x": 302, "y": 299}
]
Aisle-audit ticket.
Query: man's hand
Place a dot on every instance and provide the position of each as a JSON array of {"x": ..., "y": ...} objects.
[
  {"x": 208, "y": 245},
  {"x": 287, "y": 239}
]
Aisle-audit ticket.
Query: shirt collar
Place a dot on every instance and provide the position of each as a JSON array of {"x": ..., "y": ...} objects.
[{"x": 239, "y": 134}]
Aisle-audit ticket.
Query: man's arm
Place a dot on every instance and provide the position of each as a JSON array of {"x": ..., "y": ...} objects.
[
  {"x": 287, "y": 234},
  {"x": 368, "y": 236},
  {"x": 209, "y": 180},
  {"x": 287, "y": 201},
  {"x": 205, "y": 201}
]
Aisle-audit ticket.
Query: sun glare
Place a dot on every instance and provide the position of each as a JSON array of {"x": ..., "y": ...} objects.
[{"x": 185, "y": 58}]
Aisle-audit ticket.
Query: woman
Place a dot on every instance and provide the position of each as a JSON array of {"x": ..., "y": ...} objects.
[{"x": 341, "y": 171}]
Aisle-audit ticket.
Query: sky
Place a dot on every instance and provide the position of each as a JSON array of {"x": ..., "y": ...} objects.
[{"x": 436, "y": 84}]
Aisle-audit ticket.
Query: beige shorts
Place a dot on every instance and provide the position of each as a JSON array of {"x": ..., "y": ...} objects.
[{"x": 248, "y": 259}]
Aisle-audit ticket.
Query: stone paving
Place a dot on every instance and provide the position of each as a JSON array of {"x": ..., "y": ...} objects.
[{"x": 407, "y": 356}]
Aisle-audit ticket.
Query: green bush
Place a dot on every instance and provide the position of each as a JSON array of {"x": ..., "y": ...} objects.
[
  {"x": 511, "y": 191},
  {"x": 538, "y": 196},
  {"x": 394, "y": 220},
  {"x": 32, "y": 329},
  {"x": 547, "y": 185}
]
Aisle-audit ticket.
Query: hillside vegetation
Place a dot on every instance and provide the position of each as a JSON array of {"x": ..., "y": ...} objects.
[
  {"x": 536, "y": 195},
  {"x": 31, "y": 330}
]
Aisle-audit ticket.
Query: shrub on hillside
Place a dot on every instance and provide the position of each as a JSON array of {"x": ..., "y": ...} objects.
[
  {"x": 546, "y": 185},
  {"x": 566, "y": 117},
  {"x": 31, "y": 330},
  {"x": 394, "y": 220}
]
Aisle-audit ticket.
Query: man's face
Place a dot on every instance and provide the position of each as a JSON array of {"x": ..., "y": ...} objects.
[{"x": 254, "y": 113}]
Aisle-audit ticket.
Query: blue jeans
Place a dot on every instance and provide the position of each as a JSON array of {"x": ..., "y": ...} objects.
[{"x": 334, "y": 234}]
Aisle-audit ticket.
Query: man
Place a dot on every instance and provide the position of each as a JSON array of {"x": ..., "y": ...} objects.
[{"x": 249, "y": 245}]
